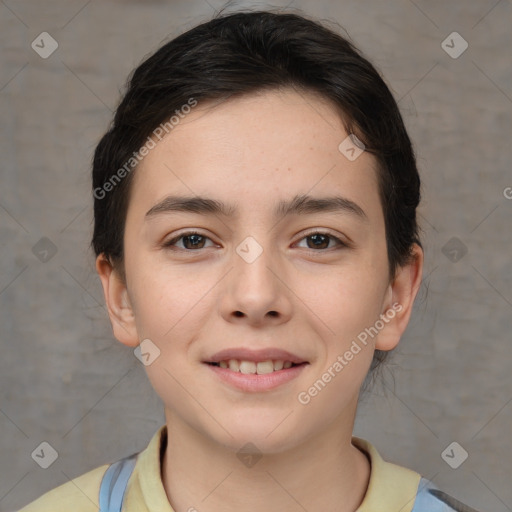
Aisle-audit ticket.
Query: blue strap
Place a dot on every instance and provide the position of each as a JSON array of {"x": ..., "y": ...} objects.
[
  {"x": 431, "y": 499},
  {"x": 114, "y": 482}
]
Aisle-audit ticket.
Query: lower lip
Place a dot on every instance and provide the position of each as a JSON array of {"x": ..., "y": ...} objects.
[{"x": 254, "y": 382}]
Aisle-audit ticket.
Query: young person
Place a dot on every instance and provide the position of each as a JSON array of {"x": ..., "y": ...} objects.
[{"x": 256, "y": 238}]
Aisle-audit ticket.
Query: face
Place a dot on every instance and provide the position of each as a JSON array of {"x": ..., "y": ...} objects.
[{"x": 307, "y": 281}]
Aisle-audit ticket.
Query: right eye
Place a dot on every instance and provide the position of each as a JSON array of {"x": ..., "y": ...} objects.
[{"x": 192, "y": 240}]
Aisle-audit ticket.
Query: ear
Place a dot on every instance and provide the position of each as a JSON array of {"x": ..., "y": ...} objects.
[
  {"x": 118, "y": 303},
  {"x": 399, "y": 301}
]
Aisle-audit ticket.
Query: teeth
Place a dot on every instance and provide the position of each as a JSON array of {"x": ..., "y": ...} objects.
[
  {"x": 247, "y": 367},
  {"x": 265, "y": 367},
  {"x": 250, "y": 367},
  {"x": 278, "y": 365}
]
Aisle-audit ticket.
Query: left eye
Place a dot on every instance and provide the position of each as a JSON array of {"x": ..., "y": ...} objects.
[
  {"x": 193, "y": 240},
  {"x": 319, "y": 240}
]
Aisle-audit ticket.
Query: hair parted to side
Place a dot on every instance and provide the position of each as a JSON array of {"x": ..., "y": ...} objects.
[{"x": 246, "y": 52}]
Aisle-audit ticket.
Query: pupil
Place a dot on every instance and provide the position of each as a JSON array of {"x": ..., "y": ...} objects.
[
  {"x": 317, "y": 238},
  {"x": 193, "y": 237}
]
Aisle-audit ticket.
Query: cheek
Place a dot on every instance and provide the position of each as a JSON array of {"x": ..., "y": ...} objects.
[
  {"x": 168, "y": 302},
  {"x": 169, "y": 310},
  {"x": 344, "y": 299}
]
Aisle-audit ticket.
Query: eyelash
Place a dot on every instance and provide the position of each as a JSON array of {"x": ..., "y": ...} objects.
[{"x": 169, "y": 244}]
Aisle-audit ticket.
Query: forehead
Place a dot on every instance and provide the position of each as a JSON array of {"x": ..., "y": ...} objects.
[{"x": 249, "y": 149}]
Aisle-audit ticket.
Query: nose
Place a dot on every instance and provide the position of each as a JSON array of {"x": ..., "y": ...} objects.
[{"x": 256, "y": 291}]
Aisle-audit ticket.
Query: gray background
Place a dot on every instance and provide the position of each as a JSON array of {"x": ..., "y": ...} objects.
[{"x": 63, "y": 377}]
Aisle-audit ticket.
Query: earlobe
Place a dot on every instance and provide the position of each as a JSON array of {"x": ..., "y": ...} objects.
[
  {"x": 118, "y": 302},
  {"x": 400, "y": 300}
]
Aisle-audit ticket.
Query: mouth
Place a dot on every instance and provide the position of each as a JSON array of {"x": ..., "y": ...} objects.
[
  {"x": 255, "y": 371},
  {"x": 255, "y": 367}
]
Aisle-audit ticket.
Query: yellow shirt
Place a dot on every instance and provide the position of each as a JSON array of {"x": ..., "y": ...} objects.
[{"x": 391, "y": 487}]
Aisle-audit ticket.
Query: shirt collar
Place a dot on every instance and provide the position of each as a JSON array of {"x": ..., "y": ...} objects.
[{"x": 391, "y": 487}]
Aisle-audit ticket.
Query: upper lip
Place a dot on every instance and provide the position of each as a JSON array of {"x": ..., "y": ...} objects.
[{"x": 245, "y": 354}]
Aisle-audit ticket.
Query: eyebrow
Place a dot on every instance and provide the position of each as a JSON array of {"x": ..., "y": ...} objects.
[{"x": 299, "y": 205}]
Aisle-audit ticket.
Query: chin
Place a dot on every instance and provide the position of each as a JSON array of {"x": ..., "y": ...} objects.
[{"x": 269, "y": 434}]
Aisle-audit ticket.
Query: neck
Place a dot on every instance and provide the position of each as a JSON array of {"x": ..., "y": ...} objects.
[{"x": 323, "y": 473}]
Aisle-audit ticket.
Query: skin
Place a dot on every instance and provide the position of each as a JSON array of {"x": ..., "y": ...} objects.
[{"x": 252, "y": 152}]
